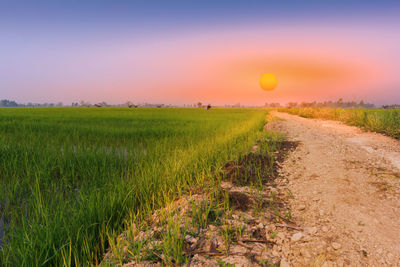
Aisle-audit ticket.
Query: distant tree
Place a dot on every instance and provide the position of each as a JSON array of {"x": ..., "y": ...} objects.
[
  {"x": 304, "y": 104},
  {"x": 237, "y": 105},
  {"x": 8, "y": 103},
  {"x": 83, "y": 103},
  {"x": 199, "y": 104},
  {"x": 275, "y": 105},
  {"x": 369, "y": 105},
  {"x": 339, "y": 103}
]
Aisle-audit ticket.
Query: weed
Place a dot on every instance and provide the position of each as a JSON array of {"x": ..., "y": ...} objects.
[
  {"x": 289, "y": 194},
  {"x": 173, "y": 242},
  {"x": 152, "y": 255},
  {"x": 259, "y": 202},
  {"x": 204, "y": 213},
  {"x": 135, "y": 249},
  {"x": 277, "y": 214},
  {"x": 273, "y": 234},
  {"x": 230, "y": 234},
  {"x": 222, "y": 263},
  {"x": 272, "y": 199},
  {"x": 288, "y": 215}
]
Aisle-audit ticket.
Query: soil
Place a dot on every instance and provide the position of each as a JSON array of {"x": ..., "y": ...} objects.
[{"x": 346, "y": 184}]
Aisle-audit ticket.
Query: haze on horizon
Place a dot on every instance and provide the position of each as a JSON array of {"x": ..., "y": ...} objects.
[{"x": 181, "y": 52}]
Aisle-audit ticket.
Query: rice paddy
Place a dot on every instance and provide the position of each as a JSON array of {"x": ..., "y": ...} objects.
[
  {"x": 386, "y": 121},
  {"x": 71, "y": 178}
]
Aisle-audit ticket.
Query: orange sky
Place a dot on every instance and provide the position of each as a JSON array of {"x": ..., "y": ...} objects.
[
  {"x": 318, "y": 67},
  {"x": 220, "y": 65}
]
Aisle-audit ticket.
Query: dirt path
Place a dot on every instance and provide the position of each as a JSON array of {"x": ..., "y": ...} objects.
[{"x": 346, "y": 183}]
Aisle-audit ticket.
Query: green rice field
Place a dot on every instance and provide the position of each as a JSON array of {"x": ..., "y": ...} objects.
[
  {"x": 386, "y": 121},
  {"x": 72, "y": 177}
]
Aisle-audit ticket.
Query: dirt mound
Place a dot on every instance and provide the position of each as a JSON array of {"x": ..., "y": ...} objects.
[{"x": 259, "y": 167}]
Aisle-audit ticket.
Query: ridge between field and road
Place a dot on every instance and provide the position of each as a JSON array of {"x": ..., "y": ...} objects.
[{"x": 334, "y": 201}]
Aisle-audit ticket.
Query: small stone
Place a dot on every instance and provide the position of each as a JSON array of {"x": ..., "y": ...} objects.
[
  {"x": 328, "y": 264},
  {"x": 312, "y": 230},
  {"x": 260, "y": 226},
  {"x": 304, "y": 252},
  {"x": 213, "y": 245},
  {"x": 280, "y": 235},
  {"x": 302, "y": 207},
  {"x": 275, "y": 252},
  {"x": 284, "y": 263},
  {"x": 296, "y": 237},
  {"x": 190, "y": 239},
  {"x": 389, "y": 257},
  {"x": 336, "y": 246},
  {"x": 271, "y": 228},
  {"x": 324, "y": 228}
]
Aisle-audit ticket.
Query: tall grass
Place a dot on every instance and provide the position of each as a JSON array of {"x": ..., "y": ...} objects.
[
  {"x": 71, "y": 176},
  {"x": 386, "y": 121}
]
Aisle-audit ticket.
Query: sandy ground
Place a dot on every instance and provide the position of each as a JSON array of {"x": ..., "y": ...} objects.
[{"x": 346, "y": 185}]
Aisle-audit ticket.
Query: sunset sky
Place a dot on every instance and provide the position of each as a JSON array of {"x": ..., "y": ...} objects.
[{"x": 182, "y": 52}]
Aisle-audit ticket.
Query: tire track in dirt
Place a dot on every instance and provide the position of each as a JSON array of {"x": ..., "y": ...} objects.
[{"x": 346, "y": 183}]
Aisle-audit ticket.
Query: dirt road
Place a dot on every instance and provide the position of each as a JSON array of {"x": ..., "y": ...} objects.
[{"x": 346, "y": 184}]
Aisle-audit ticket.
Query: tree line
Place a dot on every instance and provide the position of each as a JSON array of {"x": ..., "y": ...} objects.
[
  {"x": 11, "y": 104},
  {"x": 332, "y": 104}
]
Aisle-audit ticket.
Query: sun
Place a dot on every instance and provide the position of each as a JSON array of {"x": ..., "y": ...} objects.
[{"x": 268, "y": 81}]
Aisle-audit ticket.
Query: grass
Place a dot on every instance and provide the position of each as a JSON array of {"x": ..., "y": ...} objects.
[
  {"x": 386, "y": 121},
  {"x": 71, "y": 178},
  {"x": 172, "y": 243},
  {"x": 211, "y": 218}
]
